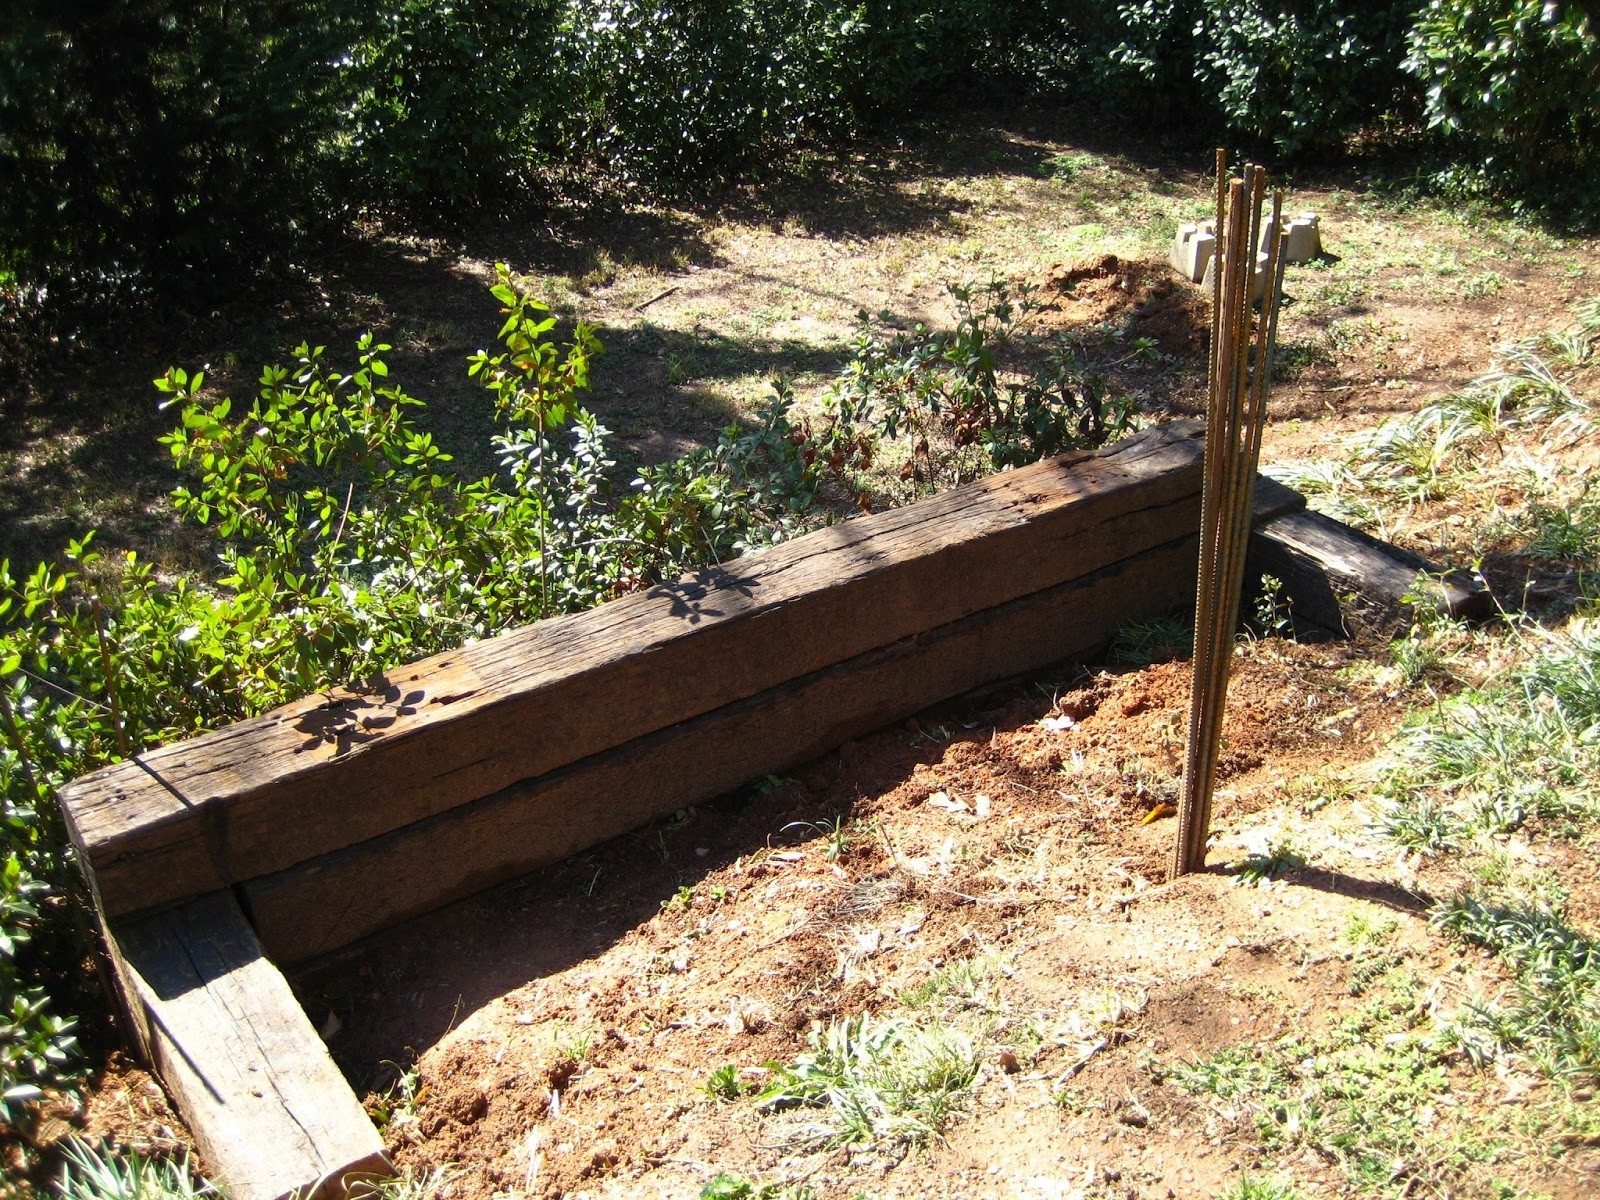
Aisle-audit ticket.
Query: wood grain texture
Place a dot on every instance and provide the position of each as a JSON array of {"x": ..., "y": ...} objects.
[
  {"x": 1347, "y": 581},
  {"x": 271, "y": 1113},
  {"x": 339, "y": 769},
  {"x": 325, "y": 904}
]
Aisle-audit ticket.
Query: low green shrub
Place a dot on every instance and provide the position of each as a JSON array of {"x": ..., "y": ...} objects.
[
  {"x": 984, "y": 396},
  {"x": 348, "y": 544},
  {"x": 1515, "y": 86}
]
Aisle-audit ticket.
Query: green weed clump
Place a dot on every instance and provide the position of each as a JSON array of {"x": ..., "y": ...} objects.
[
  {"x": 1491, "y": 759},
  {"x": 876, "y": 1081},
  {"x": 962, "y": 403},
  {"x": 1553, "y": 1013},
  {"x": 1256, "y": 1188},
  {"x": 1319, "y": 1093},
  {"x": 1160, "y": 639},
  {"x": 89, "y": 1173},
  {"x": 1531, "y": 387}
]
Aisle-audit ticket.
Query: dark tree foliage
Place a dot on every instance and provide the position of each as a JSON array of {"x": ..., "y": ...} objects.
[
  {"x": 1515, "y": 84},
  {"x": 1290, "y": 76},
  {"x": 458, "y": 105},
  {"x": 143, "y": 141},
  {"x": 145, "y": 138}
]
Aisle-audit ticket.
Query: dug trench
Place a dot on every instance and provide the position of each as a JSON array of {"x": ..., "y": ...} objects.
[{"x": 605, "y": 1027}]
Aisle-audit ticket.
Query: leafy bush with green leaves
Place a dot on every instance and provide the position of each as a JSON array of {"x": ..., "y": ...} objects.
[
  {"x": 348, "y": 545},
  {"x": 1297, "y": 75},
  {"x": 674, "y": 95},
  {"x": 1514, "y": 82},
  {"x": 987, "y": 395},
  {"x": 142, "y": 140},
  {"x": 1143, "y": 59},
  {"x": 1302, "y": 75}
]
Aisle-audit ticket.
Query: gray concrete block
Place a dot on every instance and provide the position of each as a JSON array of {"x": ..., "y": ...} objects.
[
  {"x": 1192, "y": 248},
  {"x": 1305, "y": 239},
  {"x": 1258, "y": 280}
]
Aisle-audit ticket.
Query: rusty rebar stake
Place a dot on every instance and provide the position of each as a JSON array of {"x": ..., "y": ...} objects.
[{"x": 1240, "y": 369}]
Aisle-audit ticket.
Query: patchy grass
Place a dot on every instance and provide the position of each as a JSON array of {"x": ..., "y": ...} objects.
[
  {"x": 876, "y": 1081},
  {"x": 1553, "y": 1013},
  {"x": 1519, "y": 748},
  {"x": 1316, "y": 1092}
]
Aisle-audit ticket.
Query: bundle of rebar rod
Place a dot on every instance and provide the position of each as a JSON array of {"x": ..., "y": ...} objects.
[{"x": 1240, "y": 368}]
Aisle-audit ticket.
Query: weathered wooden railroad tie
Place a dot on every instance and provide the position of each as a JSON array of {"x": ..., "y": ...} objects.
[{"x": 292, "y": 835}]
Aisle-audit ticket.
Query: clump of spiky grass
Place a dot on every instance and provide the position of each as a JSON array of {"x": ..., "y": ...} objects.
[
  {"x": 1491, "y": 759},
  {"x": 1553, "y": 1012},
  {"x": 98, "y": 1173},
  {"x": 1161, "y": 639},
  {"x": 874, "y": 1081}
]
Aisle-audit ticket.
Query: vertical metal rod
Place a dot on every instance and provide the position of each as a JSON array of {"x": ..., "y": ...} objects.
[
  {"x": 1193, "y": 815},
  {"x": 1214, "y": 446},
  {"x": 1214, "y": 438},
  {"x": 1238, "y": 474},
  {"x": 1240, "y": 366}
]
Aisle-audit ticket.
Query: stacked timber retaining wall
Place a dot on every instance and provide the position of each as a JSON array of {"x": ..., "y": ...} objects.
[
  {"x": 348, "y": 811},
  {"x": 291, "y": 835}
]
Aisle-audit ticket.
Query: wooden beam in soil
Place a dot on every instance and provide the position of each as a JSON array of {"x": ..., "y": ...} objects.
[
  {"x": 325, "y": 904},
  {"x": 338, "y": 769},
  {"x": 271, "y": 1113},
  {"x": 1348, "y": 582}
]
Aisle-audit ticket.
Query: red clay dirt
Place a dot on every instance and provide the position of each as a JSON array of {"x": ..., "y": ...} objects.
[{"x": 563, "y": 1028}]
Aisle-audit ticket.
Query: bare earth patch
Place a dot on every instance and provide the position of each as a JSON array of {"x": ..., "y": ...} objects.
[
  {"x": 989, "y": 868},
  {"x": 985, "y": 875}
]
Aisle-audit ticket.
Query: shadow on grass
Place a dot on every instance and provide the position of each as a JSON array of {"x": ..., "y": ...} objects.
[
  {"x": 1375, "y": 891},
  {"x": 78, "y": 445}
]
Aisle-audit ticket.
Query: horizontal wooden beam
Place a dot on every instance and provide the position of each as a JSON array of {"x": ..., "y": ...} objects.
[
  {"x": 322, "y": 905},
  {"x": 327, "y": 903},
  {"x": 1349, "y": 582},
  {"x": 269, "y": 1110},
  {"x": 339, "y": 769}
]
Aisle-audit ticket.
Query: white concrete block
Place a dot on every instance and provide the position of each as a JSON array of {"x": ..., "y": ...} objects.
[
  {"x": 1305, "y": 242},
  {"x": 1258, "y": 280},
  {"x": 1305, "y": 238},
  {"x": 1192, "y": 248}
]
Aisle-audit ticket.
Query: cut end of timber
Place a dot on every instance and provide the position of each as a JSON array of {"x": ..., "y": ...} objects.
[{"x": 1352, "y": 584}]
